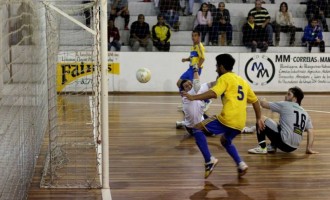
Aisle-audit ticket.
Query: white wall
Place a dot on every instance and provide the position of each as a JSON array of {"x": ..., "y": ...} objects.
[{"x": 266, "y": 72}]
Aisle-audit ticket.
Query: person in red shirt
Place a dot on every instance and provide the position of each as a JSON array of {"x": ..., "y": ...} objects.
[{"x": 113, "y": 36}]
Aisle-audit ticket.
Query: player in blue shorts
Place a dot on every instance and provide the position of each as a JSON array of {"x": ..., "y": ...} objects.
[{"x": 235, "y": 93}]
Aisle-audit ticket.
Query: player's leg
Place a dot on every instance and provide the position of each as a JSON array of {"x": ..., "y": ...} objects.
[
  {"x": 226, "y": 142},
  {"x": 210, "y": 161}
]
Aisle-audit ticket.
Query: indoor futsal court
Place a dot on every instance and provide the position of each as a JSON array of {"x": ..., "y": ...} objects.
[{"x": 151, "y": 159}]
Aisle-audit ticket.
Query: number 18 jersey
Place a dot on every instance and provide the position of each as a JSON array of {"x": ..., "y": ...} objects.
[{"x": 293, "y": 121}]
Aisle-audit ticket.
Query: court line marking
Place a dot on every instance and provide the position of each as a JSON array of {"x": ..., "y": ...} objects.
[{"x": 216, "y": 105}]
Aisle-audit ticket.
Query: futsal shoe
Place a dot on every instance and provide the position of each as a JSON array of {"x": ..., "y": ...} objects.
[
  {"x": 179, "y": 124},
  {"x": 251, "y": 129},
  {"x": 242, "y": 169},
  {"x": 258, "y": 150},
  {"x": 210, "y": 166},
  {"x": 271, "y": 148}
]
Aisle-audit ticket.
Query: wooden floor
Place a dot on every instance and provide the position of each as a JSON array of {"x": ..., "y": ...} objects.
[{"x": 151, "y": 160}]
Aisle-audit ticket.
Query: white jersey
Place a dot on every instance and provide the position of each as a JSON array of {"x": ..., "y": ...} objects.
[
  {"x": 194, "y": 110},
  {"x": 293, "y": 121}
]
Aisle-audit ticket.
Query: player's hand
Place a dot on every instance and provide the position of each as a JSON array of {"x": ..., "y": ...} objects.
[
  {"x": 261, "y": 125},
  {"x": 310, "y": 151},
  {"x": 183, "y": 60},
  {"x": 188, "y": 96}
]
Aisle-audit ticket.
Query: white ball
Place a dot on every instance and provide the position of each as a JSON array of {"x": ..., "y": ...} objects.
[{"x": 143, "y": 75}]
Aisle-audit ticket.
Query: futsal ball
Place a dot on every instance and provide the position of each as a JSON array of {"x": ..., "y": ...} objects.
[{"x": 143, "y": 75}]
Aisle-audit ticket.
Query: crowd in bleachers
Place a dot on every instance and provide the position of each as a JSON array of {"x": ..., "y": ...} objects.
[{"x": 213, "y": 21}]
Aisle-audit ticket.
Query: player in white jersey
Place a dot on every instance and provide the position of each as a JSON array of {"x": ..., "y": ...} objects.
[
  {"x": 194, "y": 111},
  {"x": 288, "y": 134}
]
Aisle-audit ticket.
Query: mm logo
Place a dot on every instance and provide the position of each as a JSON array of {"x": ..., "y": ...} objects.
[{"x": 260, "y": 70}]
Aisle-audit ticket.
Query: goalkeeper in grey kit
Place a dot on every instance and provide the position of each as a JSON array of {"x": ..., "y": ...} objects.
[{"x": 288, "y": 134}]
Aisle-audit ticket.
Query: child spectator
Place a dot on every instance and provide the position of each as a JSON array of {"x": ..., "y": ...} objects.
[
  {"x": 254, "y": 36},
  {"x": 313, "y": 36}
]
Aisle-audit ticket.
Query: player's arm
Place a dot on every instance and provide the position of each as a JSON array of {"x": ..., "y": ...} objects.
[
  {"x": 257, "y": 111},
  {"x": 310, "y": 141},
  {"x": 200, "y": 62},
  {"x": 206, "y": 95},
  {"x": 185, "y": 59},
  {"x": 264, "y": 104},
  {"x": 196, "y": 81}
]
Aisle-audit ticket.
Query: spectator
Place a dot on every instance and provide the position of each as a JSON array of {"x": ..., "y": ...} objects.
[
  {"x": 120, "y": 8},
  {"x": 221, "y": 23},
  {"x": 284, "y": 22},
  {"x": 170, "y": 10},
  {"x": 113, "y": 36},
  {"x": 140, "y": 35},
  {"x": 313, "y": 36},
  {"x": 262, "y": 18},
  {"x": 317, "y": 9},
  {"x": 161, "y": 34},
  {"x": 87, "y": 13},
  {"x": 253, "y": 36},
  {"x": 203, "y": 21}
]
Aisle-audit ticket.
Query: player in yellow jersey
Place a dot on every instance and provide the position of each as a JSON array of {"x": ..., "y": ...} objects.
[
  {"x": 195, "y": 59},
  {"x": 235, "y": 93}
]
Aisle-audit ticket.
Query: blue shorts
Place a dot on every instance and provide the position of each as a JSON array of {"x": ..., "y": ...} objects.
[
  {"x": 189, "y": 74},
  {"x": 213, "y": 125}
]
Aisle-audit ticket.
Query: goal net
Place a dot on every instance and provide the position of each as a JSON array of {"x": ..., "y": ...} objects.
[
  {"x": 73, "y": 157},
  {"x": 23, "y": 93}
]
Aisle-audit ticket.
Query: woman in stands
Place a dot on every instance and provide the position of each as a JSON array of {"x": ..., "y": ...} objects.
[
  {"x": 203, "y": 21},
  {"x": 284, "y": 22}
]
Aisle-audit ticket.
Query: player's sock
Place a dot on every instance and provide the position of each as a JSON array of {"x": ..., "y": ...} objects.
[
  {"x": 202, "y": 144},
  {"x": 232, "y": 151}
]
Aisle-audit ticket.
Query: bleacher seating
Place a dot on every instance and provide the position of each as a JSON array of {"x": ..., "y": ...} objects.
[{"x": 181, "y": 41}]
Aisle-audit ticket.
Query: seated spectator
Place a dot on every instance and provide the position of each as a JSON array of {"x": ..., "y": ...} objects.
[
  {"x": 262, "y": 18},
  {"x": 161, "y": 34},
  {"x": 254, "y": 35},
  {"x": 120, "y": 8},
  {"x": 317, "y": 9},
  {"x": 170, "y": 10},
  {"x": 221, "y": 23},
  {"x": 140, "y": 35},
  {"x": 203, "y": 21},
  {"x": 313, "y": 36},
  {"x": 284, "y": 22},
  {"x": 113, "y": 36}
]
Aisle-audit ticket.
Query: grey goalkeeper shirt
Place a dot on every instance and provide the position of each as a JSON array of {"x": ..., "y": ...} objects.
[{"x": 293, "y": 121}]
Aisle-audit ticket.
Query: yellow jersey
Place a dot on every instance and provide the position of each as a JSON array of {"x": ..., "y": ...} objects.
[
  {"x": 196, "y": 53},
  {"x": 235, "y": 93}
]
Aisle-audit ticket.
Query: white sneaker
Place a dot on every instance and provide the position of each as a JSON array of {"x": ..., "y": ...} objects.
[
  {"x": 242, "y": 168},
  {"x": 179, "y": 124},
  {"x": 251, "y": 129},
  {"x": 180, "y": 107},
  {"x": 258, "y": 150},
  {"x": 207, "y": 105},
  {"x": 271, "y": 149}
]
